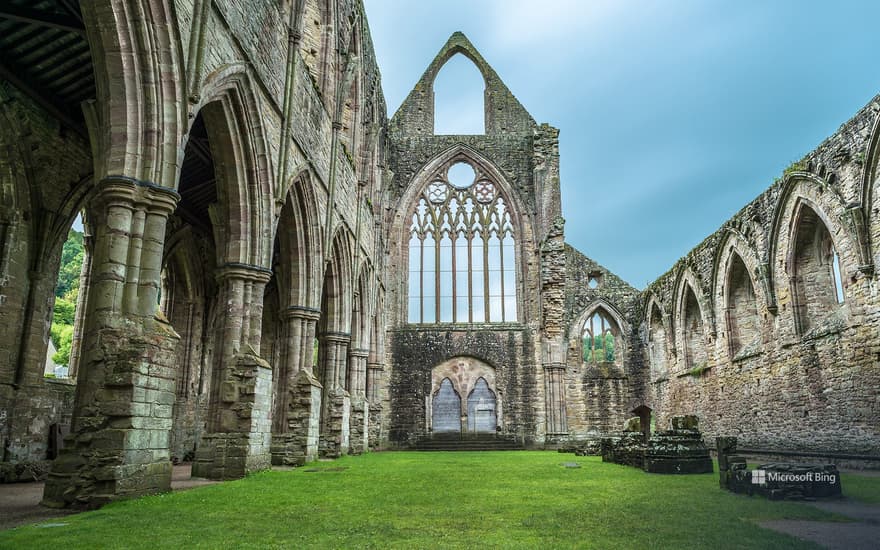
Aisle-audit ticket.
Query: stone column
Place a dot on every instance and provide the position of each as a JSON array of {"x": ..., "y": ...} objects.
[
  {"x": 360, "y": 406},
  {"x": 239, "y": 420},
  {"x": 119, "y": 440},
  {"x": 374, "y": 397},
  {"x": 554, "y": 389},
  {"x": 81, "y": 304},
  {"x": 336, "y": 408},
  {"x": 298, "y": 396}
]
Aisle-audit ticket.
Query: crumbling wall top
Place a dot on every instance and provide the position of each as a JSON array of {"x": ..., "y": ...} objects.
[{"x": 504, "y": 114}]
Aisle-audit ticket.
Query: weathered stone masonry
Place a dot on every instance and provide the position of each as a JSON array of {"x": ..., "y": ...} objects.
[{"x": 265, "y": 282}]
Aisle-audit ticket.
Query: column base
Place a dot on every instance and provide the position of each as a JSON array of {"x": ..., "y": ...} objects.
[
  {"x": 300, "y": 444},
  {"x": 360, "y": 426},
  {"x": 334, "y": 441},
  {"x": 228, "y": 456},
  {"x": 375, "y": 427},
  {"x": 120, "y": 444}
]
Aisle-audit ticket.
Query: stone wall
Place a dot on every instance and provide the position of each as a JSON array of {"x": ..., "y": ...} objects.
[
  {"x": 599, "y": 395},
  {"x": 786, "y": 367},
  {"x": 414, "y": 352},
  {"x": 521, "y": 159}
]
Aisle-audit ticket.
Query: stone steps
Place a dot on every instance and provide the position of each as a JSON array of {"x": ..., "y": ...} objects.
[{"x": 468, "y": 442}]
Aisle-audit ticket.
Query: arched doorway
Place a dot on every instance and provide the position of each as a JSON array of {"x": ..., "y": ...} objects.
[
  {"x": 464, "y": 397},
  {"x": 481, "y": 409},
  {"x": 446, "y": 407}
]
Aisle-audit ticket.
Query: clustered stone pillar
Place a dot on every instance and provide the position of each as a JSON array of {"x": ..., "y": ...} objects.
[
  {"x": 554, "y": 386},
  {"x": 360, "y": 406},
  {"x": 336, "y": 409},
  {"x": 374, "y": 375},
  {"x": 239, "y": 423},
  {"x": 298, "y": 399},
  {"x": 119, "y": 440}
]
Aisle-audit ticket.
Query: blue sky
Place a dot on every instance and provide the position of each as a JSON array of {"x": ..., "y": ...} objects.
[{"x": 673, "y": 114}]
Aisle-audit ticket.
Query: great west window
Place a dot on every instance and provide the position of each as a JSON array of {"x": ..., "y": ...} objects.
[{"x": 461, "y": 251}]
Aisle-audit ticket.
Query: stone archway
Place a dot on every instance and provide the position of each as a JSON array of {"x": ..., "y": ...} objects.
[
  {"x": 464, "y": 397},
  {"x": 481, "y": 408},
  {"x": 446, "y": 409}
]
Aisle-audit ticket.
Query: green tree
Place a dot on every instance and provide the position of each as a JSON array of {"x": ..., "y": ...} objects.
[
  {"x": 62, "y": 337},
  {"x": 71, "y": 265}
]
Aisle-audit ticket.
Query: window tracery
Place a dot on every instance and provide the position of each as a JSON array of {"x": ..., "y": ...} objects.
[{"x": 462, "y": 253}]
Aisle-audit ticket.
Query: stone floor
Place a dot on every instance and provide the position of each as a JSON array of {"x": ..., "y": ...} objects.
[
  {"x": 862, "y": 532},
  {"x": 20, "y": 502}
]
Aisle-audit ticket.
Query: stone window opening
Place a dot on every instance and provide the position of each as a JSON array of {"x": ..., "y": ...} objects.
[
  {"x": 741, "y": 309},
  {"x": 815, "y": 271},
  {"x": 696, "y": 356},
  {"x": 71, "y": 288},
  {"x": 601, "y": 339},
  {"x": 656, "y": 343},
  {"x": 594, "y": 279},
  {"x": 462, "y": 251},
  {"x": 838, "y": 281},
  {"x": 459, "y": 106}
]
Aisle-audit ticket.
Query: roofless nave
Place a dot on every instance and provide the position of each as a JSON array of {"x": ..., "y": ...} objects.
[{"x": 275, "y": 271}]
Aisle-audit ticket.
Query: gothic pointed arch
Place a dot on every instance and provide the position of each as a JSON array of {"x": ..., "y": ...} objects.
[
  {"x": 870, "y": 179},
  {"x": 417, "y": 111},
  {"x": 337, "y": 295},
  {"x": 658, "y": 337},
  {"x": 846, "y": 227},
  {"x": 139, "y": 120},
  {"x": 460, "y": 236},
  {"x": 692, "y": 321},
  {"x": 602, "y": 333},
  {"x": 299, "y": 238},
  {"x": 740, "y": 293},
  {"x": 813, "y": 265},
  {"x": 241, "y": 162}
]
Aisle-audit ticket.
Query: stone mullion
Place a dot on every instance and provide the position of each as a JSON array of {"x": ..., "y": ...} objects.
[
  {"x": 437, "y": 273},
  {"x": 453, "y": 238},
  {"x": 470, "y": 271},
  {"x": 422, "y": 278},
  {"x": 486, "y": 300},
  {"x": 501, "y": 270}
]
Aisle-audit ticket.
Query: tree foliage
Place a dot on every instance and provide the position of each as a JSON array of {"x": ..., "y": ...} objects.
[
  {"x": 66, "y": 294},
  {"x": 71, "y": 266},
  {"x": 601, "y": 350}
]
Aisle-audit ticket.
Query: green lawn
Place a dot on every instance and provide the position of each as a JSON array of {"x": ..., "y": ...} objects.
[
  {"x": 861, "y": 488},
  {"x": 428, "y": 500}
]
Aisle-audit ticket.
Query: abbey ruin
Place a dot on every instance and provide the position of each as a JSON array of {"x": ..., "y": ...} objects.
[{"x": 275, "y": 271}]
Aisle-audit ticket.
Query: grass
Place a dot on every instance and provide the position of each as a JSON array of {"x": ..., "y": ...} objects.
[
  {"x": 864, "y": 489},
  {"x": 430, "y": 500}
]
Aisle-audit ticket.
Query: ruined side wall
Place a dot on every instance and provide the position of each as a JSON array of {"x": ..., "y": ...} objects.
[
  {"x": 599, "y": 397},
  {"x": 43, "y": 178},
  {"x": 812, "y": 389}
]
